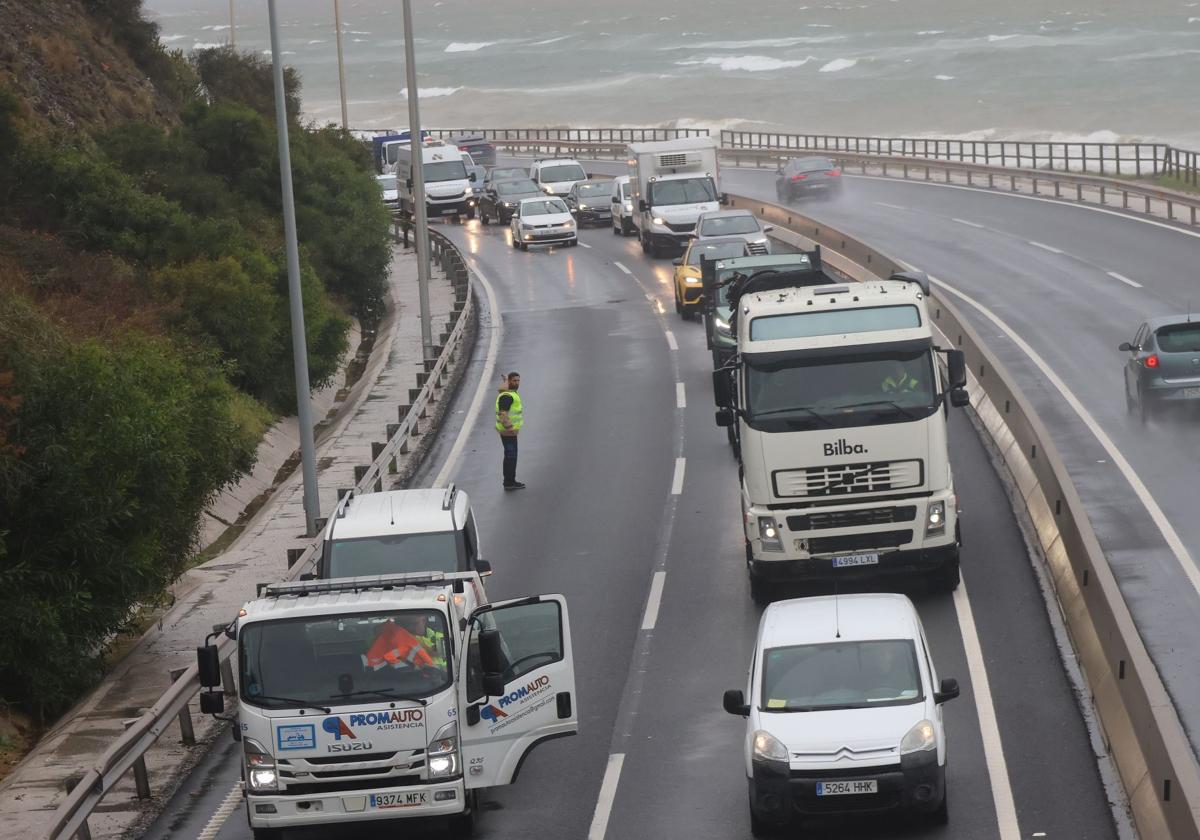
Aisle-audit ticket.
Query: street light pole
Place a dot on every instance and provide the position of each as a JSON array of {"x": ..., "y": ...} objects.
[
  {"x": 232, "y": 27},
  {"x": 337, "y": 23},
  {"x": 308, "y": 457},
  {"x": 418, "y": 185}
]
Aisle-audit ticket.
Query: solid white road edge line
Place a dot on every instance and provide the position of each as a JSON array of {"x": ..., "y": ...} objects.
[
  {"x": 1143, "y": 493},
  {"x": 989, "y": 730},
  {"x": 671, "y": 342},
  {"x": 224, "y": 811},
  {"x": 677, "y": 480},
  {"x": 608, "y": 793},
  {"x": 1045, "y": 247},
  {"x": 485, "y": 383},
  {"x": 622, "y": 267},
  {"x": 680, "y": 396},
  {"x": 969, "y": 223},
  {"x": 1124, "y": 279},
  {"x": 650, "y": 618},
  {"x": 889, "y": 206}
]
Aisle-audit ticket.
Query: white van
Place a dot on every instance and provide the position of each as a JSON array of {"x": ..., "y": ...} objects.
[
  {"x": 448, "y": 185},
  {"x": 557, "y": 175},
  {"x": 622, "y": 206}
]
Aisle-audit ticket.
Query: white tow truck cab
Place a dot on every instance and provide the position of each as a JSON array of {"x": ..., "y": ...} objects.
[
  {"x": 840, "y": 416},
  {"x": 389, "y": 697},
  {"x": 449, "y": 187},
  {"x": 673, "y": 181}
]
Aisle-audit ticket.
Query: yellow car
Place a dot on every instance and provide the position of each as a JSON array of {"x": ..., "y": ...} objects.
[{"x": 689, "y": 291}]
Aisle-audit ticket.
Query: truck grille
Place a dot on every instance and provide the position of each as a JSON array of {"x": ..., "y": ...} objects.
[
  {"x": 677, "y": 228},
  {"x": 757, "y": 249},
  {"x": 851, "y": 518},
  {"x": 841, "y": 479},
  {"x": 859, "y": 542}
]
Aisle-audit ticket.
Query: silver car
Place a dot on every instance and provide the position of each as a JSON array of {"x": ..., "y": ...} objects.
[{"x": 740, "y": 224}]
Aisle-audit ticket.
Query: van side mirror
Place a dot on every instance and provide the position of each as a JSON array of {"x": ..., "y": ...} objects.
[
  {"x": 677, "y": 261},
  {"x": 734, "y": 702},
  {"x": 484, "y": 567},
  {"x": 959, "y": 398},
  {"x": 208, "y": 664},
  {"x": 471, "y": 176},
  {"x": 956, "y": 367},
  {"x": 491, "y": 656},
  {"x": 724, "y": 199},
  {"x": 1125, "y": 347},
  {"x": 212, "y": 702},
  {"x": 948, "y": 690},
  {"x": 642, "y": 205},
  {"x": 722, "y": 392},
  {"x": 768, "y": 228},
  {"x": 408, "y": 183}
]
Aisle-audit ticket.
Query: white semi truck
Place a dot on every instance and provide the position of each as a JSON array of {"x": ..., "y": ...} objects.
[
  {"x": 839, "y": 410},
  {"x": 673, "y": 182},
  {"x": 389, "y": 697}
]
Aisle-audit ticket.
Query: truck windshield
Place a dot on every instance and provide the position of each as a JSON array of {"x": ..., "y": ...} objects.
[
  {"x": 445, "y": 170},
  {"x": 802, "y": 394},
  {"x": 325, "y": 660},
  {"x": 682, "y": 191},
  {"x": 394, "y": 554},
  {"x": 840, "y": 675},
  {"x": 562, "y": 172}
]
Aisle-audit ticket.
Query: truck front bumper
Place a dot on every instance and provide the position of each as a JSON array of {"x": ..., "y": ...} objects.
[{"x": 369, "y": 803}]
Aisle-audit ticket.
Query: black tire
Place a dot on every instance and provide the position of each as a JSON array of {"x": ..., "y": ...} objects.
[
  {"x": 463, "y": 825},
  {"x": 524, "y": 246},
  {"x": 267, "y": 833},
  {"x": 626, "y": 227},
  {"x": 760, "y": 827},
  {"x": 645, "y": 244},
  {"x": 947, "y": 576},
  {"x": 941, "y": 815},
  {"x": 471, "y": 213},
  {"x": 516, "y": 244},
  {"x": 616, "y": 230},
  {"x": 1130, "y": 406},
  {"x": 483, "y": 217},
  {"x": 574, "y": 242},
  {"x": 457, "y": 218},
  {"x": 678, "y": 303},
  {"x": 1143, "y": 405}
]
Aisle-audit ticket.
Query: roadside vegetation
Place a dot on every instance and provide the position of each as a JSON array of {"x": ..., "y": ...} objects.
[{"x": 144, "y": 336}]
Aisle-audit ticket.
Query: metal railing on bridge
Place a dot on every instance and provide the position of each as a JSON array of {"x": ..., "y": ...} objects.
[{"x": 574, "y": 135}]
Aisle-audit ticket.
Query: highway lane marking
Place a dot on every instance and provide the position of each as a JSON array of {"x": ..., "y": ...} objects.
[
  {"x": 1045, "y": 247},
  {"x": 224, "y": 811},
  {"x": 680, "y": 396},
  {"x": 623, "y": 268},
  {"x": 969, "y": 223},
  {"x": 677, "y": 480},
  {"x": 650, "y": 618},
  {"x": 658, "y": 304},
  {"x": 584, "y": 245},
  {"x": 485, "y": 382},
  {"x": 671, "y": 342},
  {"x": 989, "y": 729},
  {"x": 608, "y": 793},
  {"x": 1143, "y": 493},
  {"x": 889, "y": 206},
  {"x": 1124, "y": 279}
]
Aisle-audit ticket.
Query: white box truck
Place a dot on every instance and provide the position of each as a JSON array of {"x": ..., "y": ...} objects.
[
  {"x": 449, "y": 187},
  {"x": 389, "y": 697},
  {"x": 839, "y": 407},
  {"x": 673, "y": 181}
]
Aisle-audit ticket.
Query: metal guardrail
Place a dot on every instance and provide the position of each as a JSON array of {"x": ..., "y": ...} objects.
[
  {"x": 1145, "y": 736},
  {"x": 128, "y": 751},
  {"x": 1100, "y": 158},
  {"x": 575, "y": 135}
]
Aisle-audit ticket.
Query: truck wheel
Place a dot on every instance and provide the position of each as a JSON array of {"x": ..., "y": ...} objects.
[
  {"x": 483, "y": 217},
  {"x": 760, "y": 592},
  {"x": 645, "y": 244},
  {"x": 626, "y": 227},
  {"x": 946, "y": 578},
  {"x": 941, "y": 816},
  {"x": 471, "y": 213},
  {"x": 524, "y": 246},
  {"x": 463, "y": 825},
  {"x": 267, "y": 833},
  {"x": 617, "y": 231}
]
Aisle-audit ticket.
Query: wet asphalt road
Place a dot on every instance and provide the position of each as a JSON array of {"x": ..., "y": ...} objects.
[{"x": 602, "y": 435}]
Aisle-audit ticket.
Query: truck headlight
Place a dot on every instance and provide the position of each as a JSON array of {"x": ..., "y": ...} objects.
[
  {"x": 770, "y": 533},
  {"x": 260, "y": 768},
  {"x": 658, "y": 220},
  {"x": 549, "y": 189},
  {"x": 443, "y": 752},
  {"x": 918, "y": 739},
  {"x": 628, "y": 206},
  {"x": 935, "y": 519},
  {"x": 767, "y": 749},
  {"x": 722, "y": 327}
]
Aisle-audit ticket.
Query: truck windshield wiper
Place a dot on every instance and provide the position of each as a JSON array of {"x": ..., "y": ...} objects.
[
  {"x": 384, "y": 692},
  {"x": 906, "y": 412},
  {"x": 773, "y": 411},
  {"x": 301, "y": 704}
]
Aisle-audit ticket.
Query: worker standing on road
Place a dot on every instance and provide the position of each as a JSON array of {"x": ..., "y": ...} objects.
[{"x": 509, "y": 419}]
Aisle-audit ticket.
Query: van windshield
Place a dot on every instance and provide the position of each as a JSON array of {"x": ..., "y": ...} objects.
[
  {"x": 840, "y": 675},
  {"x": 682, "y": 191},
  {"x": 445, "y": 170},
  {"x": 437, "y": 551},
  {"x": 355, "y": 658}
]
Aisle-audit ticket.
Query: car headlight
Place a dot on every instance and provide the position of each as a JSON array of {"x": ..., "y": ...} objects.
[
  {"x": 569, "y": 224},
  {"x": 260, "y": 768},
  {"x": 722, "y": 327},
  {"x": 768, "y": 749},
  {"x": 628, "y": 206},
  {"x": 920, "y": 738},
  {"x": 548, "y": 188},
  {"x": 583, "y": 207},
  {"x": 443, "y": 752},
  {"x": 770, "y": 533},
  {"x": 690, "y": 280},
  {"x": 935, "y": 519},
  {"x": 658, "y": 220}
]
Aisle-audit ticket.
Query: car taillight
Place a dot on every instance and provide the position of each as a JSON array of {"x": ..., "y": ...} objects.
[
  {"x": 1151, "y": 361},
  {"x": 462, "y": 148},
  {"x": 799, "y": 177},
  {"x": 834, "y": 173}
]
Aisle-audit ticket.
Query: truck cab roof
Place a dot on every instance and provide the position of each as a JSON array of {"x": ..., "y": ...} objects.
[
  {"x": 363, "y": 594},
  {"x": 416, "y": 511}
]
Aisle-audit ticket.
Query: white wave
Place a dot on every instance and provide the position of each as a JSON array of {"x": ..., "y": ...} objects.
[
  {"x": 432, "y": 92},
  {"x": 944, "y": 78},
  {"x": 550, "y": 41},
  {"x": 268, "y": 52},
  {"x": 357, "y": 32},
  {"x": 992, "y": 39},
  {"x": 839, "y": 64},
  {"x": 315, "y": 42},
  {"x": 716, "y": 125},
  {"x": 819, "y": 25},
  {"x": 748, "y": 63},
  {"x": 1193, "y": 20},
  {"x": 1152, "y": 55},
  {"x": 216, "y": 27},
  {"x": 932, "y": 32},
  {"x": 359, "y": 40},
  {"x": 170, "y": 39},
  {"x": 758, "y": 43},
  {"x": 207, "y": 45},
  {"x": 472, "y": 46}
]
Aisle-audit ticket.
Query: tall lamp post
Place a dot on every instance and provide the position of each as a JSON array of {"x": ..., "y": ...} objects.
[
  {"x": 308, "y": 457},
  {"x": 418, "y": 178},
  {"x": 337, "y": 23},
  {"x": 232, "y": 27}
]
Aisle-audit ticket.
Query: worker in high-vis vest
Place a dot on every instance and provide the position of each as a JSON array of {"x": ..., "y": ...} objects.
[
  {"x": 900, "y": 381},
  {"x": 509, "y": 418},
  {"x": 397, "y": 647}
]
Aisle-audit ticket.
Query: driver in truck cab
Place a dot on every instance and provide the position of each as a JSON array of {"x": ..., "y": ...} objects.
[
  {"x": 899, "y": 381},
  {"x": 418, "y": 646}
]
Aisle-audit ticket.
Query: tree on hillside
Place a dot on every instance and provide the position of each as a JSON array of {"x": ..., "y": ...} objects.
[{"x": 245, "y": 78}]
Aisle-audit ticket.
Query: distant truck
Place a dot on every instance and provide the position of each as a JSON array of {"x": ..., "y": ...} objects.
[
  {"x": 384, "y": 146},
  {"x": 673, "y": 182},
  {"x": 449, "y": 187},
  {"x": 389, "y": 697},
  {"x": 840, "y": 416}
]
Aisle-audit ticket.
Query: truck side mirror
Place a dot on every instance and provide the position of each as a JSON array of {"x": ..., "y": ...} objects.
[
  {"x": 491, "y": 656},
  {"x": 724, "y": 199},
  {"x": 948, "y": 690},
  {"x": 956, "y": 366},
  {"x": 722, "y": 393},
  {"x": 471, "y": 176},
  {"x": 208, "y": 664},
  {"x": 959, "y": 398},
  {"x": 212, "y": 702},
  {"x": 734, "y": 702},
  {"x": 642, "y": 205},
  {"x": 724, "y": 417},
  {"x": 1125, "y": 347},
  {"x": 493, "y": 685},
  {"x": 484, "y": 567},
  {"x": 408, "y": 183}
]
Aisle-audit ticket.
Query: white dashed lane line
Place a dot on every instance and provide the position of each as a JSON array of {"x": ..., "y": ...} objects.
[
  {"x": 889, "y": 206},
  {"x": 969, "y": 223},
  {"x": 608, "y": 793},
  {"x": 584, "y": 245},
  {"x": 1124, "y": 279},
  {"x": 653, "y": 602},
  {"x": 623, "y": 268},
  {"x": 671, "y": 342},
  {"x": 230, "y": 804},
  {"x": 1045, "y": 247},
  {"x": 680, "y": 396},
  {"x": 677, "y": 481}
]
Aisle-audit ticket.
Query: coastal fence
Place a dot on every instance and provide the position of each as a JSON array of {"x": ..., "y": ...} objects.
[{"x": 574, "y": 135}]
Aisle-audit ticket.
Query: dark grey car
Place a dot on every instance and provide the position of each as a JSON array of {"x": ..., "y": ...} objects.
[
  {"x": 808, "y": 176},
  {"x": 1163, "y": 365},
  {"x": 500, "y": 198},
  {"x": 591, "y": 202}
]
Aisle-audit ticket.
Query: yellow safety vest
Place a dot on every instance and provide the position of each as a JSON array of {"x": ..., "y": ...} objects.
[
  {"x": 904, "y": 384},
  {"x": 514, "y": 413}
]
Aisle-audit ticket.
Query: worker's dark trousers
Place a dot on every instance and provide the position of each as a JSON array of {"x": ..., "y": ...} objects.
[{"x": 510, "y": 459}]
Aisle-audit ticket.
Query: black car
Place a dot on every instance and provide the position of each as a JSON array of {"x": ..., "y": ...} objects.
[
  {"x": 477, "y": 146},
  {"x": 1163, "y": 367},
  {"x": 808, "y": 176},
  {"x": 505, "y": 173},
  {"x": 591, "y": 202},
  {"x": 500, "y": 198}
]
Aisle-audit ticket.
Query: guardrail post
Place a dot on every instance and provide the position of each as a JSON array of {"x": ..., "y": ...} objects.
[
  {"x": 141, "y": 778},
  {"x": 227, "y": 682},
  {"x": 187, "y": 735}
]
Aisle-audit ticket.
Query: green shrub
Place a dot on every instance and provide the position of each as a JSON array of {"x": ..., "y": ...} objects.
[{"x": 247, "y": 79}]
